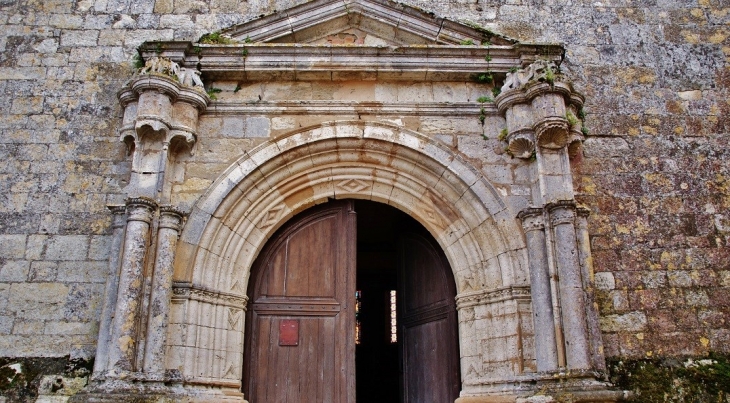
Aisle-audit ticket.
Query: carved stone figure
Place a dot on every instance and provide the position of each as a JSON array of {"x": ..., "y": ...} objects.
[
  {"x": 160, "y": 65},
  {"x": 190, "y": 77},
  {"x": 534, "y": 71}
]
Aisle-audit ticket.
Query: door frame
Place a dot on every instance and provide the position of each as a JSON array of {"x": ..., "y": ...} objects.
[{"x": 375, "y": 161}]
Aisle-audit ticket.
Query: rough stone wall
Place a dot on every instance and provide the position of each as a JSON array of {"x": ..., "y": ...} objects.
[{"x": 654, "y": 170}]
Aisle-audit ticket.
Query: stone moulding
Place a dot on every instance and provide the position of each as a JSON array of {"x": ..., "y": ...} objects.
[
  {"x": 278, "y": 108},
  {"x": 329, "y": 62}
]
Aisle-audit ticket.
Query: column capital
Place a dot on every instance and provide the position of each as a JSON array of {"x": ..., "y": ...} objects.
[
  {"x": 532, "y": 219},
  {"x": 140, "y": 209},
  {"x": 561, "y": 212},
  {"x": 583, "y": 211},
  {"x": 118, "y": 211},
  {"x": 171, "y": 217}
]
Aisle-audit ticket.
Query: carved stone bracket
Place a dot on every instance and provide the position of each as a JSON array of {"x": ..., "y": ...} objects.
[
  {"x": 158, "y": 103},
  {"x": 160, "y": 120},
  {"x": 540, "y": 107}
]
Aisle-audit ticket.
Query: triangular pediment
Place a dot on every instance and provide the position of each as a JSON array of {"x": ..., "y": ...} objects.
[{"x": 360, "y": 22}]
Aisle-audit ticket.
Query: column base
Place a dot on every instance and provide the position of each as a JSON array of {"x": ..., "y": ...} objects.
[
  {"x": 120, "y": 391},
  {"x": 591, "y": 396},
  {"x": 547, "y": 387}
]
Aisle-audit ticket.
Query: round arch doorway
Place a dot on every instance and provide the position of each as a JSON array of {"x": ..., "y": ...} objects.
[{"x": 306, "y": 342}]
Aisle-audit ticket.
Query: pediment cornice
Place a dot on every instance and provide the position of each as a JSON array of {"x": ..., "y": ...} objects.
[{"x": 395, "y": 23}]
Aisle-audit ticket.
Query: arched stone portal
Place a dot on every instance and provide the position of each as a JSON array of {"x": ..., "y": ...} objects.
[
  {"x": 515, "y": 240},
  {"x": 361, "y": 160}
]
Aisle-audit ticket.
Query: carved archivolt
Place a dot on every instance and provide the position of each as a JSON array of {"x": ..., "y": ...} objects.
[{"x": 468, "y": 217}]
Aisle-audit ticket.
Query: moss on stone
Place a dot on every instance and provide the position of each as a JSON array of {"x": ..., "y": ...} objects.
[
  {"x": 703, "y": 380},
  {"x": 23, "y": 386}
]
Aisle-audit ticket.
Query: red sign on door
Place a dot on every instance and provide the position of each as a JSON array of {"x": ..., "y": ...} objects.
[{"x": 289, "y": 332}]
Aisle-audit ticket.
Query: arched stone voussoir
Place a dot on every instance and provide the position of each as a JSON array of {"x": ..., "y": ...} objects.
[{"x": 349, "y": 159}]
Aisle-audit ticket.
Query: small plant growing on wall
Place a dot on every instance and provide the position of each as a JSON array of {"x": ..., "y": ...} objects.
[
  {"x": 215, "y": 38},
  {"x": 137, "y": 61},
  {"x": 549, "y": 75},
  {"x": 212, "y": 91},
  {"x": 572, "y": 120},
  {"x": 503, "y": 134}
]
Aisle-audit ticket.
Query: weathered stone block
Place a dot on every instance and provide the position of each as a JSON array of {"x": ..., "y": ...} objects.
[
  {"x": 37, "y": 301},
  {"x": 629, "y": 322},
  {"x": 14, "y": 270},
  {"x": 79, "y": 38},
  {"x": 12, "y": 246},
  {"x": 67, "y": 247},
  {"x": 83, "y": 272}
]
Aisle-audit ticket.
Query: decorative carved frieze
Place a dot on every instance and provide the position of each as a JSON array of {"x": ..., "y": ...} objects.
[
  {"x": 541, "y": 70},
  {"x": 187, "y": 291},
  {"x": 485, "y": 297}
]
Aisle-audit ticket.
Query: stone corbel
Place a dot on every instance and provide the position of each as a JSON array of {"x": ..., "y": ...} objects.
[
  {"x": 161, "y": 112},
  {"x": 536, "y": 102},
  {"x": 159, "y": 103}
]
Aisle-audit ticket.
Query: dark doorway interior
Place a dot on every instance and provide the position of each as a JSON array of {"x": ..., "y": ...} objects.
[{"x": 377, "y": 357}]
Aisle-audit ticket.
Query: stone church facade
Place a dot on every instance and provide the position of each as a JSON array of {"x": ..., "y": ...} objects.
[{"x": 568, "y": 163}]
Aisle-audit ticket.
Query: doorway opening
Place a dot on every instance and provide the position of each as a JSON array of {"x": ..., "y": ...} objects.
[
  {"x": 377, "y": 355},
  {"x": 351, "y": 301}
]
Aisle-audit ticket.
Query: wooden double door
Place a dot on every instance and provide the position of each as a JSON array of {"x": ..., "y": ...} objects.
[{"x": 300, "y": 331}]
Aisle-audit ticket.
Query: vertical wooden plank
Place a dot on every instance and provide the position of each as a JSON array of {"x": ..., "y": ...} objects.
[
  {"x": 332, "y": 378},
  {"x": 320, "y": 368}
]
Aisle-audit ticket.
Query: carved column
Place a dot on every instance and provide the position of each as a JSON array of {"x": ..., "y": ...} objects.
[
  {"x": 167, "y": 235},
  {"x": 124, "y": 326},
  {"x": 110, "y": 292},
  {"x": 546, "y": 352},
  {"x": 161, "y": 109},
  {"x": 584, "y": 247},
  {"x": 541, "y": 110},
  {"x": 570, "y": 285}
]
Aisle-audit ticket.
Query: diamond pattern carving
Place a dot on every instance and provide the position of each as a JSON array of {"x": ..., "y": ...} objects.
[
  {"x": 271, "y": 217},
  {"x": 234, "y": 319},
  {"x": 430, "y": 212},
  {"x": 353, "y": 185}
]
